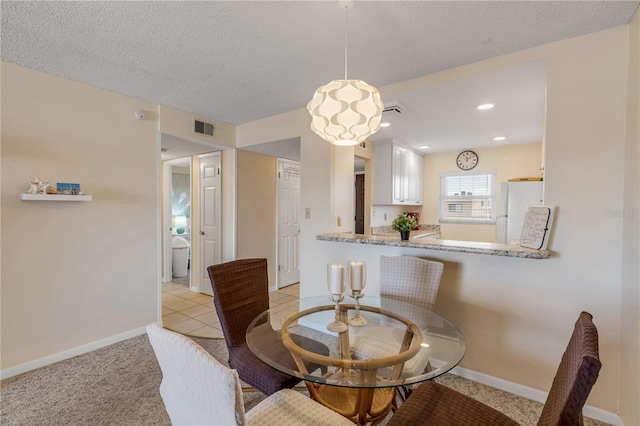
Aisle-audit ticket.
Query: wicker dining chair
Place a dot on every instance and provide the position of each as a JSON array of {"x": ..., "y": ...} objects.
[
  {"x": 240, "y": 294},
  {"x": 198, "y": 390},
  {"x": 410, "y": 279},
  {"x": 433, "y": 403}
]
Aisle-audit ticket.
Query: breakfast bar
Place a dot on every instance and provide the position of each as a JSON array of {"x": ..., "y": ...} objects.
[{"x": 472, "y": 247}]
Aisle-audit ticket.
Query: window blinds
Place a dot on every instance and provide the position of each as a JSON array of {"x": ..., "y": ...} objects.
[{"x": 468, "y": 197}]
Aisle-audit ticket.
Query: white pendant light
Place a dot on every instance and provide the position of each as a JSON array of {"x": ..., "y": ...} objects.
[{"x": 345, "y": 112}]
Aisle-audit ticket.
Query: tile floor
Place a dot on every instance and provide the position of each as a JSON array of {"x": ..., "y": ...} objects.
[{"x": 193, "y": 313}]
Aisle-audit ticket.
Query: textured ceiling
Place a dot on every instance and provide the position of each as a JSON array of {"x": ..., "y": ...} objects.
[{"x": 241, "y": 61}]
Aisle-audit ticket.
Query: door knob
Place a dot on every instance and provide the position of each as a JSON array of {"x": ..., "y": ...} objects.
[{"x": 201, "y": 232}]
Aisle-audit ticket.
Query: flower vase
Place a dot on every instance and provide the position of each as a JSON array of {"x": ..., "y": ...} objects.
[{"x": 404, "y": 235}]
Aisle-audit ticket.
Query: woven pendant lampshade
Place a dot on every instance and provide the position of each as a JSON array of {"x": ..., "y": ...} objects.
[{"x": 345, "y": 112}]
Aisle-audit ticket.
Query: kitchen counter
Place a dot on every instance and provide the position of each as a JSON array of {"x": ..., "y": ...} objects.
[{"x": 492, "y": 249}]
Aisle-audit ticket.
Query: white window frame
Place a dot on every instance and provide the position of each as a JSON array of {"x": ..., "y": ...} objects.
[{"x": 468, "y": 208}]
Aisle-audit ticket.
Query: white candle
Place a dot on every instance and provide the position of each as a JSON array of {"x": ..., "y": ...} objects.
[
  {"x": 336, "y": 279},
  {"x": 356, "y": 275}
]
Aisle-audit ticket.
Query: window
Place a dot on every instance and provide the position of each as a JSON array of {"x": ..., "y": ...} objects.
[{"x": 468, "y": 197}]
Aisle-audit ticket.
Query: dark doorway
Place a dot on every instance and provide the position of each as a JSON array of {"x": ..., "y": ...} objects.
[{"x": 359, "y": 197}]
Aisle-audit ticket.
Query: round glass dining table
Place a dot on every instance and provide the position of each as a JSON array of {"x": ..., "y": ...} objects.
[{"x": 392, "y": 344}]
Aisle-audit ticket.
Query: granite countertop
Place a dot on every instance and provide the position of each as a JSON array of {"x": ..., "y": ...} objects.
[{"x": 492, "y": 249}]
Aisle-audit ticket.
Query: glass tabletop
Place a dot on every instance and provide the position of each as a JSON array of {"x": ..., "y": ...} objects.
[{"x": 400, "y": 344}]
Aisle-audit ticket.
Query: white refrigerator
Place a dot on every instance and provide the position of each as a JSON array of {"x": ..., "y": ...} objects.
[{"x": 515, "y": 199}]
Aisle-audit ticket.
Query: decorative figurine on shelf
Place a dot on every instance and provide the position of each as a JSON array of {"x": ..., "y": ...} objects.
[
  {"x": 357, "y": 282},
  {"x": 39, "y": 187},
  {"x": 404, "y": 224},
  {"x": 335, "y": 284}
]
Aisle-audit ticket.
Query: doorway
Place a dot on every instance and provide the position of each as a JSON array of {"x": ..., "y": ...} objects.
[
  {"x": 210, "y": 215},
  {"x": 359, "y": 205},
  {"x": 177, "y": 227},
  {"x": 288, "y": 214}
]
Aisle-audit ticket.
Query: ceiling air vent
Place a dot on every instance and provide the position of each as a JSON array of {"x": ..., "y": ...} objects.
[
  {"x": 394, "y": 107},
  {"x": 203, "y": 128}
]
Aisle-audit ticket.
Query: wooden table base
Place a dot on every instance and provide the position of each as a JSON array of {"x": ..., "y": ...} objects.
[{"x": 360, "y": 405}]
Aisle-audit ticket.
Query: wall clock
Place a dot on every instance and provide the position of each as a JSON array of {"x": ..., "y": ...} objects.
[{"x": 467, "y": 160}]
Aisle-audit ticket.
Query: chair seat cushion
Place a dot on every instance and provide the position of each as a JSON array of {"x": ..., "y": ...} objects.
[
  {"x": 258, "y": 374},
  {"x": 265, "y": 378},
  {"x": 289, "y": 407},
  {"x": 433, "y": 403},
  {"x": 383, "y": 342}
]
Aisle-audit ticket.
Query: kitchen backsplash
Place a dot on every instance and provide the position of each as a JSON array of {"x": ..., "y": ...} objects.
[{"x": 388, "y": 229}]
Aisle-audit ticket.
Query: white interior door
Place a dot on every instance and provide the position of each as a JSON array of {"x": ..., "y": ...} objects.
[
  {"x": 210, "y": 214},
  {"x": 288, "y": 194}
]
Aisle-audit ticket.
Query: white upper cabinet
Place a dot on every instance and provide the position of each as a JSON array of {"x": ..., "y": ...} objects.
[{"x": 397, "y": 174}]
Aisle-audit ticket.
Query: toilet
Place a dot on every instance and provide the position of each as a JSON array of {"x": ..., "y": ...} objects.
[{"x": 180, "y": 248}]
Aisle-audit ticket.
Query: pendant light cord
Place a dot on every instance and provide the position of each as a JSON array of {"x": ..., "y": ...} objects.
[{"x": 346, "y": 33}]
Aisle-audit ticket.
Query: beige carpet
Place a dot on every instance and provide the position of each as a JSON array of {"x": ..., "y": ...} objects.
[{"x": 118, "y": 385}]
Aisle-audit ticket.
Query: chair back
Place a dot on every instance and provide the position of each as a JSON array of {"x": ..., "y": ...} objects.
[
  {"x": 240, "y": 293},
  {"x": 196, "y": 389},
  {"x": 410, "y": 279},
  {"x": 575, "y": 377}
]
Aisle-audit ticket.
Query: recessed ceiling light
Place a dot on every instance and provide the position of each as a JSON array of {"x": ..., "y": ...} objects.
[
  {"x": 385, "y": 124},
  {"x": 499, "y": 138},
  {"x": 425, "y": 147},
  {"x": 485, "y": 106}
]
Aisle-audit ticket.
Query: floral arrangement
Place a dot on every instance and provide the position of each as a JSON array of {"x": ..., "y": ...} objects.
[{"x": 403, "y": 223}]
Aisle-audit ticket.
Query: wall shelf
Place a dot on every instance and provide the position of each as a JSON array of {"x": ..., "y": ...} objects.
[{"x": 55, "y": 197}]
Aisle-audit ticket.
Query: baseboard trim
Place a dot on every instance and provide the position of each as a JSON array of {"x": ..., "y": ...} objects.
[
  {"x": 531, "y": 393},
  {"x": 70, "y": 353}
]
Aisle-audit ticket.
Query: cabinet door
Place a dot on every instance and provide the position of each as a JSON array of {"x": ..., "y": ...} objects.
[
  {"x": 398, "y": 175},
  {"x": 414, "y": 176}
]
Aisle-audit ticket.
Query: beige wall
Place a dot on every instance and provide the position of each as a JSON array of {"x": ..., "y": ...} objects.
[
  {"x": 74, "y": 273},
  {"x": 316, "y": 182},
  {"x": 384, "y": 215},
  {"x": 257, "y": 209},
  {"x": 630, "y": 349},
  {"x": 179, "y": 123},
  {"x": 229, "y": 201},
  {"x": 342, "y": 194},
  {"x": 102, "y": 278},
  {"x": 509, "y": 161},
  {"x": 517, "y": 314}
]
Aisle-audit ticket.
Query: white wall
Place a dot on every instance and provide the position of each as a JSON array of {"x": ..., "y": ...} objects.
[{"x": 517, "y": 314}]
